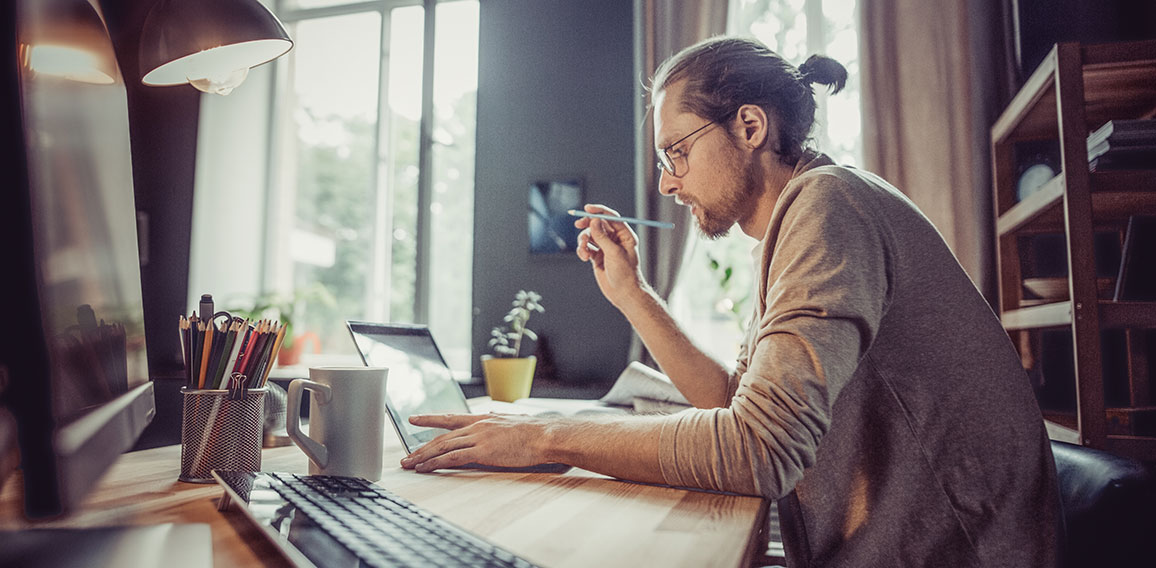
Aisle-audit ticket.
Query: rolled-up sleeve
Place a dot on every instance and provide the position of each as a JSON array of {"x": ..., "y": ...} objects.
[{"x": 827, "y": 283}]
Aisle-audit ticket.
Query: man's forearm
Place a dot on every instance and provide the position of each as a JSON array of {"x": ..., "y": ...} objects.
[
  {"x": 627, "y": 448},
  {"x": 698, "y": 376}
]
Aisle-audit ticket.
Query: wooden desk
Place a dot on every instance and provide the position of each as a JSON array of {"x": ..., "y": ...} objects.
[{"x": 574, "y": 519}]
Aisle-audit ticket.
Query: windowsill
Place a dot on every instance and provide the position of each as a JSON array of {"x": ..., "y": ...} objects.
[{"x": 301, "y": 370}]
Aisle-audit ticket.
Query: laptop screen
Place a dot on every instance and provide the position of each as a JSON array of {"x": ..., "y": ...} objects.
[{"x": 419, "y": 381}]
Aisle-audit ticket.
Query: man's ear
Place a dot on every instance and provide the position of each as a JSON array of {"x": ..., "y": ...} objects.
[{"x": 754, "y": 126}]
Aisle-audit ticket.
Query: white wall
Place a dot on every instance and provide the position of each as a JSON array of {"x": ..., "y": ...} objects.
[{"x": 229, "y": 199}]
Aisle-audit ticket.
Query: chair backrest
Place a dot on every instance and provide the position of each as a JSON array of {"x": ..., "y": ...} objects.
[{"x": 1109, "y": 506}]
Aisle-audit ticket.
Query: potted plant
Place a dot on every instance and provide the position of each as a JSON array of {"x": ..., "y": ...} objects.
[{"x": 509, "y": 376}]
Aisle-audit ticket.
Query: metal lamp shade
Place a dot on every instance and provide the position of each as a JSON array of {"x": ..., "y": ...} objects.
[
  {"x": 192, "y": 39},
  {"x": 66, "y": 38}
]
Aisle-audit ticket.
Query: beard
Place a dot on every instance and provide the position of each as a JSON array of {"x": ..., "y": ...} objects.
[{"x": 739, "y": 189}]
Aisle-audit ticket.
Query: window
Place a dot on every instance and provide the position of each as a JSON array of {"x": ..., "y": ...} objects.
[
  {"x": 354, "y": 226},
  {"x": 713, "y": 296}
]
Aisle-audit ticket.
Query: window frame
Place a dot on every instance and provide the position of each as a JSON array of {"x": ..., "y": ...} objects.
[{"x": 275, "y": 270}]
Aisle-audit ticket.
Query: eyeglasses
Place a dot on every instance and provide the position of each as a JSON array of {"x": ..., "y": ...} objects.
[{"x": 670, "y": 161}]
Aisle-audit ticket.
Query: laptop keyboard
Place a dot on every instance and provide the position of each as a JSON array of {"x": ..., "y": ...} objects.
[{"x": 382, "y": 529}]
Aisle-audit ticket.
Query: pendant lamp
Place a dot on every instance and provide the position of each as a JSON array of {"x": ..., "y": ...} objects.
[
  {"x": 67, "y": 39},
  {"x": 210, "y": 44}
]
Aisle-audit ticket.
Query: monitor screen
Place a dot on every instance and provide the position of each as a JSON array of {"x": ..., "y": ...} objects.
[{"x": 80, "y": 388}]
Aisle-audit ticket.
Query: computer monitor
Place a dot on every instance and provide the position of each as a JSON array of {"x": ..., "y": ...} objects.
[{"x": 72, "y": 343}]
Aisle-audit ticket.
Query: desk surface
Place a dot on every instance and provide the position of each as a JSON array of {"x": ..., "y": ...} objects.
[{"x": 573, "y": 519}]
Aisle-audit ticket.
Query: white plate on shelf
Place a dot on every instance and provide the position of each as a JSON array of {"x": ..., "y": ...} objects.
[
  {"x": 1047, "y": 288},
  {"x": 1057, "y": 288}
]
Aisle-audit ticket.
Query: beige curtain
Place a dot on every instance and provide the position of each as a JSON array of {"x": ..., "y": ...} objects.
[
  {"x": 929, "y": 82},
  {"x": 662, "y": 28}
]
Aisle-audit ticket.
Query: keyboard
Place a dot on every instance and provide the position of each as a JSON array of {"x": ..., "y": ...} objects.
[{"x": 367, "y": 523}]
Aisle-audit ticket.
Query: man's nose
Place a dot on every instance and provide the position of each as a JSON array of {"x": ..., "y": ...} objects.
[{"x": 667, "y": 184}]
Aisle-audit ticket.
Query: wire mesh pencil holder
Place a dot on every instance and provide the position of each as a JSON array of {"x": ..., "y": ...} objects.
[{"x": 219, "y": 431}]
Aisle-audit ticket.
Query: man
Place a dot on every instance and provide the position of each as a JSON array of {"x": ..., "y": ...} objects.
[{"x": 876, "y": 394}]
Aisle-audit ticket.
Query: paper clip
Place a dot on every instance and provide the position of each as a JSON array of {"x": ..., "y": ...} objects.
[{"x": 238, "y": 389}]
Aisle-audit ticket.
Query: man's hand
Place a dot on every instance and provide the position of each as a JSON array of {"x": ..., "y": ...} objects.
[
  {"x": 612, "y": 250},
  {"x": 487, "y": 439}
]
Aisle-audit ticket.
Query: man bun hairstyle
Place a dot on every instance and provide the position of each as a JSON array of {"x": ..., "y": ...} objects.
[
  {"x": 824, "y": 71},
  {"x": 724, "y": 73}
]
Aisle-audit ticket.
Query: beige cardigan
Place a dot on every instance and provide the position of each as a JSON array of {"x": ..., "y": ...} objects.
[{"x": 876, "y": 394}]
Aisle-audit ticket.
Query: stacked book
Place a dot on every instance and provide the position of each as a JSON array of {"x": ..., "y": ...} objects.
[{"x": 1123, "y": 145}]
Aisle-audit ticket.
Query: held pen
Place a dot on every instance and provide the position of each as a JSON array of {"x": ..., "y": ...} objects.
[{"x": 634, "y": 220}]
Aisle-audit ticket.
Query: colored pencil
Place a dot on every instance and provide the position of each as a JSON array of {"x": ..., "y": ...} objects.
[
  {"x": 183, "y": 327},
  {"x": 273, "y": 356},
  {"x": 197, "y": 343},
  {"x": 208, "y": 341},
  {"x": 226, "y": 350}
]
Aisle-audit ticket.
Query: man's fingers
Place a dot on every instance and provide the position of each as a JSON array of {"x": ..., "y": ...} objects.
[
  {"x": 607, "y": 242},
  {"x": 598, "y": 233},
  {"x": 586, "y": 246},
  {"x": 446, "y": 443},
  {"x": 446, "y": 421},
  {"x": 583, "y": 222},
  {"x": 445, "y": 461},
  {"x": 599, "y": 208}
]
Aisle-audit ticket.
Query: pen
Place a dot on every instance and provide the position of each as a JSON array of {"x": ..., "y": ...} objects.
[{"x": 636, "y": 221}]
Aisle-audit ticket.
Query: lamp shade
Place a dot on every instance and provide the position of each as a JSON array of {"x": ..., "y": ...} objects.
[
  {"x": 208, "y": 42},
  {"x": 68, "y": 39}
]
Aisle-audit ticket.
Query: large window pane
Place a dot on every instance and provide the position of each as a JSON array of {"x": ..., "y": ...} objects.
[
  {"x": 405, "y": 93},
  {"x": 452, "y": 208},
  {"x": 329, "y": 171},
  {"x": 306, "y": 4},
  {"x": 343, "y": 173}
]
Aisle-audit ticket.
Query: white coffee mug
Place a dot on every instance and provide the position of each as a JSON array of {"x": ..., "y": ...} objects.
[{"x": 346, "y": 420}]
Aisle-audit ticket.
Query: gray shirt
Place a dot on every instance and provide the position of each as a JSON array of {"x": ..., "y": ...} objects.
[{"x": 876, "y": 394}]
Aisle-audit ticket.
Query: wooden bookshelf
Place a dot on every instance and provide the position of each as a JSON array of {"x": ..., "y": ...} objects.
[{"x": 1075, "y": 90}]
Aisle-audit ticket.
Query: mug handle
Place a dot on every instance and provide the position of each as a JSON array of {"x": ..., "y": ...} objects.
[{"x": 313, "y": 449}]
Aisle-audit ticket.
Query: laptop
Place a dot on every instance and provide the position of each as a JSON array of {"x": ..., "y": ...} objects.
[{"x": 420, "y": 382}]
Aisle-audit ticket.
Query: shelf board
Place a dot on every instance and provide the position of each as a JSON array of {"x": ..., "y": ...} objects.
[
  {"x": 1114, "y": 315},
  {"x": 1116, "y": 195},
  {"x": 1063, "y": 432},
  {"x": 1118, "y": 90},
  {"x": 1022, "y": 213},
  {"x": 1056, "y": 314},
  {"x": 1140, "y": 447},
  {"x": 1123, "y": 181},
  {"x": 1033, "y": 110},
  {"x": 1062, "y": 428},
  {"x": 1119, "y": 82}
]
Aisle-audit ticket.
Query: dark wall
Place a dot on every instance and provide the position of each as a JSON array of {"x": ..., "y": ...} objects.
[
  {"x": 163, "y": 134},
  {"x": 1042, "y": 23},
  {"x": 555, "y": 98}
]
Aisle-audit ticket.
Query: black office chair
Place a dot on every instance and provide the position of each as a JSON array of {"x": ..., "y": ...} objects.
[
  {"x": 1109, "y": 508},
  {"x": 1109, "y": 511}
]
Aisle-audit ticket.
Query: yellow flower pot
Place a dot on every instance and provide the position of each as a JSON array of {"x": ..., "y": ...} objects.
[{"x": 508, "y": 378}]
